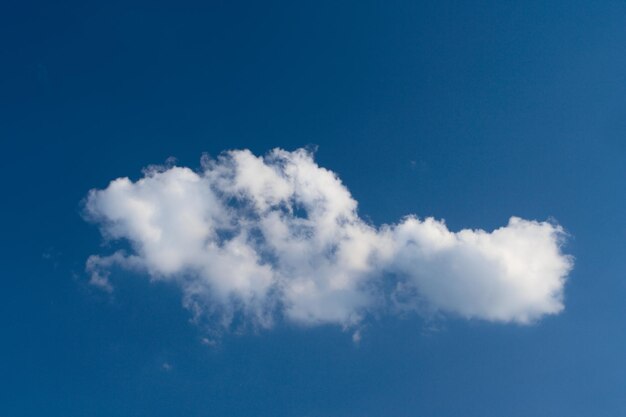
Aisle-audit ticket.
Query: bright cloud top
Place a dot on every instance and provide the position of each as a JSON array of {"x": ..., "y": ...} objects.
[{"x": 250, "y": 239}]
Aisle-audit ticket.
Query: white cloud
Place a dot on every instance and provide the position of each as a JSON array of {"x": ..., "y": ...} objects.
[{"x": 251, "y": 238}]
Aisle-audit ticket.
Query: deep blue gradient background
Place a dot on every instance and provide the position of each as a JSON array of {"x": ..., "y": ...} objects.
[{"x": 471, "y": 112}]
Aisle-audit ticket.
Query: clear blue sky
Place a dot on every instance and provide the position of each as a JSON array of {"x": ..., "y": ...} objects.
[{"x": 467, "y": 112}]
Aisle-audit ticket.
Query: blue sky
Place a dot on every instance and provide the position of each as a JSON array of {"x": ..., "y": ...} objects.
[{"x": 468, "y": 113}]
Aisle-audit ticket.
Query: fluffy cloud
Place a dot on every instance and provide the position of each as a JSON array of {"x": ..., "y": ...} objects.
[{"x": 251, "y": 239}]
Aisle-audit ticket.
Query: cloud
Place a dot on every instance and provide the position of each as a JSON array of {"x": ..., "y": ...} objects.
[{"x": 253, "y": 239}]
